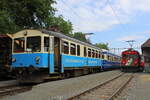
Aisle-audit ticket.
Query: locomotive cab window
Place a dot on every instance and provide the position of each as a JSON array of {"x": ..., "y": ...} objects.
[
  {"x": 73, "y": 49},
  {"x": 46, "y": 44},
  {"x": 34, "y": 44},
  {"x": 19, "y": 45}
]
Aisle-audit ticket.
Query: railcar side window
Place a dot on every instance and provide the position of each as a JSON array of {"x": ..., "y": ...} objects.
[
  {"x": 78, "y": 50},
  {"x": 19, "y": 45},
  {"x": 46, "y": 44},
  {"x": 93, "y": 53},
  {"x": 85, "y": 52},
  {"x": 73, "y": 49},
  {"x": 89, "y": 53},
  {"x": 99, "y": 54},
  {"x": 96, "y": 54},
  {"x": 103, "y": 56},
  {"x": 34, "y": 43},
  {"x": 65, "y": 47}
]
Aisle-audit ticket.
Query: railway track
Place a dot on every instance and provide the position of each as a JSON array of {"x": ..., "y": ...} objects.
[
  {"x": 11, "y": 90},
  {"x": 108, "y": 90}
]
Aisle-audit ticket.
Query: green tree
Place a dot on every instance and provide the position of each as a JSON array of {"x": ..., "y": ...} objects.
[
  {"x": 102, "y": 45},
  {"x": 80, "y": 36},
  {"x": 62, "y": 25},
  {"x": 26, "y": 13},
  {"x": 6, "y": 24}
]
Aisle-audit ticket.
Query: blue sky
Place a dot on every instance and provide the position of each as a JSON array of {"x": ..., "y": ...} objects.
[{"x": 112, "y": 21}]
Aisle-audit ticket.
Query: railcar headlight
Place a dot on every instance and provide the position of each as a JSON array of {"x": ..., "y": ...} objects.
[
  {"x": 37, "y": 59},
  {"x": 13, "y": 59}
]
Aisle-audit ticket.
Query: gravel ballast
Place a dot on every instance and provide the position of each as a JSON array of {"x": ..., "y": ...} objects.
[
  {"x": 8, "y": 83},
  {"x": 63, "y": 89},
  {"x": 138, "y": 89}
]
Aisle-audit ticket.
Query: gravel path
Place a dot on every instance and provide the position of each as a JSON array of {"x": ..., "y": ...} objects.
[
  {"x": 63, "y": 89},
  {"x": 138, "y": 89}
]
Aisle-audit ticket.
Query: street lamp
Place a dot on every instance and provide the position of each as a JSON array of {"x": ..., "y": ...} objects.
[{"x": 87, "y": 34}]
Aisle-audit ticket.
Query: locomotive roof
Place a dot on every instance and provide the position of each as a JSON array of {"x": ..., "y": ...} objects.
[
  {"x": 130, "y": 51},
  {"x": 68, "y": 38},
  {"x": 146, "y": 44}
]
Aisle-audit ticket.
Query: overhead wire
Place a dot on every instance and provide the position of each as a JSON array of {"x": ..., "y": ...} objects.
[
  {"x": 117, "y": 17},
  {"x": 74, "y": 12}
]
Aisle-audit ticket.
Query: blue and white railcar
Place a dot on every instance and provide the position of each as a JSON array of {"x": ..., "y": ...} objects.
[
  {"x": 40, "y": 52},
  {"x": 110, "y": 60}
]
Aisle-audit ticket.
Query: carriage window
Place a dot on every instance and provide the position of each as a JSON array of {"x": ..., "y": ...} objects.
[
  {"x": 78, "y": 50},
  {"x": 102, "y": 56},
  {"x": 99, "y": 54},
  {"x": 93, "y": 53},
  {"x": 19, "y": 45},
  {"x": 108, "y": 57},
  {"x": 89, "y": 52},
  {"x": 96, "y": 54},
  {"x": 65, "y": 47},
  {"x": 73, "y": 49},
  {"x": 34, "y": 44},
  {"x": 85, "y": 52},
  {"x": 46, "y": 44}
]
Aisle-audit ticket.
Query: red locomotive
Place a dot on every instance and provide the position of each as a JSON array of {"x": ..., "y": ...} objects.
[{"x": 131, "y": 61}]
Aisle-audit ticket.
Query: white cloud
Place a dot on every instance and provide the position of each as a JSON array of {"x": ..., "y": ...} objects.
[
  {"x": 126, "y": 38},
  {"x": 97, "y": 15}
]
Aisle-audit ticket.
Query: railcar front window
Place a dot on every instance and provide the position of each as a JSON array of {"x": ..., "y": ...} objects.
[
  {"x": 19, "y": 45},
  {"x": 34, "y": 44}
]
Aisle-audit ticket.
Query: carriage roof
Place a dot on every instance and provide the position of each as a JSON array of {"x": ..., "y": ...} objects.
[{"x": 52, "y": 33}]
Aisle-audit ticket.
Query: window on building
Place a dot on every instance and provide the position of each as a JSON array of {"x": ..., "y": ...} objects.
[
  {"x": 46, "y": 44},
  {"x": 89, "y": 52},
  {"x": 73, "y": 49},
  {"x": 85, "y": 52},
  {"x": 65, "y": 47},
  {"x": 78, "y": 50}
]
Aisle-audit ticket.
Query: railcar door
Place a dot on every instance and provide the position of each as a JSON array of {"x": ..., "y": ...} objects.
[{"x": 57, "y": 57}]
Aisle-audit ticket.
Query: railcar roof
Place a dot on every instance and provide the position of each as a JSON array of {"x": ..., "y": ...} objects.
[
  {"x": 68, "y": 38},
  {"x": 108, "y": 53},
  {"x": 3, "y": 36}
]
